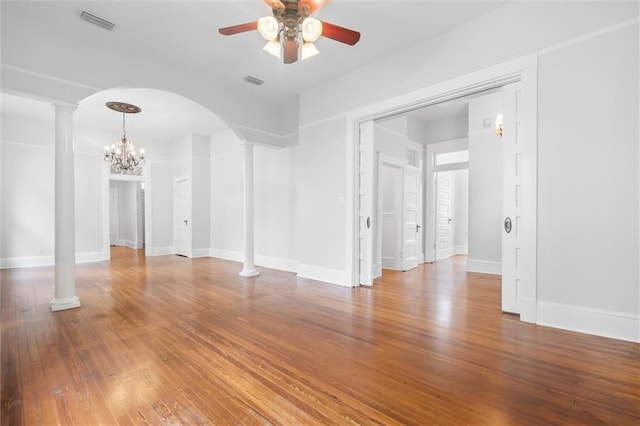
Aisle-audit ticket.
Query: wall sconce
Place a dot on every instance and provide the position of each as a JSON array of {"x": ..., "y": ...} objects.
[{"x": 499, "y": 125}]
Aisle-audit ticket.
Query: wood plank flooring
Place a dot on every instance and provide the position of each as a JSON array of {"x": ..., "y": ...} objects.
[{"x": 170, "y": 340}]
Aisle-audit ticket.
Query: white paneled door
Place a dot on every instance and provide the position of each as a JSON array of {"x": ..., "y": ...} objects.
[
  {"x": 512, "y": 149},
  {"x": 443, "y": 217},
  {"x": 181, "y": 217},
  {"x": 410, "y": 217},
  {"x": 391, "y": 216},
  {"x": 366, "y": 162}
]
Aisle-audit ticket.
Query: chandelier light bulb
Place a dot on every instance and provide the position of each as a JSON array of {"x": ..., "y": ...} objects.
[
  {"x": 273, "y": 47},
  {"x": 311, "y": 29},
  {"x": 268, "y": 27},
  {"x": 309, "y": 50}
]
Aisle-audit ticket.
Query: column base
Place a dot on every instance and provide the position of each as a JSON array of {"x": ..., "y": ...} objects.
[
  {"x": 63, "y": 304},
  {"x": 249, "y": 273}
]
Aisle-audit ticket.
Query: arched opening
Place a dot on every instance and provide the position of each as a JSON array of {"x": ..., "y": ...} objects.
[{"x": 176, "y": 134}]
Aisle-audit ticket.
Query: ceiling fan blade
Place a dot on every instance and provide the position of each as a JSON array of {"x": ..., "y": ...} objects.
[
  {"x": 312, "y": 4},
  {"x": 274, "y": 4},
  {"x": 290, "y": 51},
  {"x": 341, "y": 34},
  {"x": 241, "y": 28}
]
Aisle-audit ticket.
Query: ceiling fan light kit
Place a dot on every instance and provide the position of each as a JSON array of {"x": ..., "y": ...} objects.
[{"x": 291, "y": 31}]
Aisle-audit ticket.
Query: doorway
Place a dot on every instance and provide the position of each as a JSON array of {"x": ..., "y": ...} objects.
[
  {"x": 126, "y": 214},
  {"x": 398, "y": 215},
  {"x": 134, "y": 228},
  {"x": 360, "y": 134},
  {"x": 181, "y": 232},
  {"x": 451, "y": 211}
]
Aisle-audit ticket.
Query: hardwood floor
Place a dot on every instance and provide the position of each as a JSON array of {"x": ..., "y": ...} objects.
[{"x": 170, "y": 340}]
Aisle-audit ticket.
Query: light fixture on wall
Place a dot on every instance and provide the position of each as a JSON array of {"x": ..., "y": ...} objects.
[
  {"x": 499, "y": 125},
  {"x": 122, "y": 154}
]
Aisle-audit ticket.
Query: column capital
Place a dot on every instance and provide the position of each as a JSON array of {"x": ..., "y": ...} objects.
[{"x": 68, "y": 106}]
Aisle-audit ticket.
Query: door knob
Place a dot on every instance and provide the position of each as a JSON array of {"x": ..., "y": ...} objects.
[
  {"x": 185, "y": 222},
  {"x": 507, "y": 224},
  {"x": 417, "y": 228}
]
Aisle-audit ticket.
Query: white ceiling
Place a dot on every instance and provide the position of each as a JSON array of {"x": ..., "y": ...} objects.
[{"x": 184, "y": 33}]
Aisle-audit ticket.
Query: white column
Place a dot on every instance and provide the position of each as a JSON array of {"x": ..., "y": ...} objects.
[
  {"x": 249, "y": 267},
  {"x": 65, "y": 231}
]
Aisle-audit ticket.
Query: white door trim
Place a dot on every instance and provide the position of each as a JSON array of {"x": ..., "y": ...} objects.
[
  {"x": 146, "y": 178},
  {"x": 522, "y": 69}
]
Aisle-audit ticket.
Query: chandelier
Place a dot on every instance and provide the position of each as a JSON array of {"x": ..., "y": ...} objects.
[{"x": 122, "y": 154}]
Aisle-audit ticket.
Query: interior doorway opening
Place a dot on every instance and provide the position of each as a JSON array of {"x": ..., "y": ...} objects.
[
  {"x": 451, "y": 212},
  {"x": 517, "y": 82},
  {"x": 127, "y": 213}
]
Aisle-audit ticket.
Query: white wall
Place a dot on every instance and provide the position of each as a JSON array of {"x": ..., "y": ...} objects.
[
  {"x": 27, "y": 192},
  {"x": 201, "y": 194},
  {"x": 320, "y": 205},
  {"x": 275, "y": 193},
  {"x": 575, "y": 85},
  {"x": 507, "y": 32},
  {"x": 588, "y": 181},
  {"x": 485, "y": 185},
  {"x": 161, "y": 207},
  {"x": 446, "y": 129},
  {"x": 275, "y": 216},
  {"x": 88, "y": 200},
  {"x": 226, "y": 196}
]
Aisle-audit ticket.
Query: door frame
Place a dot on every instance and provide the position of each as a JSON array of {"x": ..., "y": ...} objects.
[
  {"x": 107, "y": 176},
  {"x": 432, "y": 150},
  {"x": 523, "y": 69}
]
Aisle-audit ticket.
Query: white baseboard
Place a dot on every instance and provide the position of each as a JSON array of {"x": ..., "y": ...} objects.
[
  {"x": 161, "y": 251},
  {"x": 46, "y": 260},
  {"x": 615, "y": 325},
  {"x": 460, "y": 250},
  {"x": 528, "y": 310},
  {"x": 266, "y": 261},
  {"x": 89, "y": 257},
  {"x": 331, "y": 276},
  {"x": 196, "y": 253},
  {"x": 277, "y": 263},
  {"x": 484, "y": 266},
  {"x": 26, "y": 262},
  {"x": 234, "y": 256}
]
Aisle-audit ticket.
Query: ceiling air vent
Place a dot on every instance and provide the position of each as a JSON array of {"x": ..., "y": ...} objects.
[
  {"x": 96, "y": 20},
  {"x": 253, "y": 80}
]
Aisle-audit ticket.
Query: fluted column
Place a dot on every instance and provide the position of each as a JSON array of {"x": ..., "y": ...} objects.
[
  {"x": 249, "y": 267},
  {"x": 65, "y": 231}
]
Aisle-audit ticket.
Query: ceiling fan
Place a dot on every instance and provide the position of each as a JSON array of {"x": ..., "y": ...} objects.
[{"x": 292, "y": 29}]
